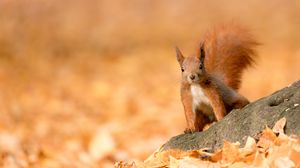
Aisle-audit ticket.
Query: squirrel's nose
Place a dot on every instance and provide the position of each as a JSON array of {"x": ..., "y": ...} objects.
[{"x": 192, "y": 77}]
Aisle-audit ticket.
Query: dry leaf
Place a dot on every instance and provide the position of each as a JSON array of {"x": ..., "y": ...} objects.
[
  {"x": 230, "y": 152},
  {"x": 161, "y": 158},
  {"x": 279, "y": 126},
  {"x": 238, "y": 165},
  {"x": 260, "y": 160},
  {"x": 295, "y": 157},
  {"x": 153, "y": 155},
  {"x": 247, "y": 154},
  {"x": 125, "y": 165},
  {"x": 174, "y": 163},
  {"x": 217, "y": 156},
  {"x": 283, "y": 162},
  {"x": 267, "y": 139},
  {"x": 188, "y": 162},
  {"x": 250, "y": 144}
]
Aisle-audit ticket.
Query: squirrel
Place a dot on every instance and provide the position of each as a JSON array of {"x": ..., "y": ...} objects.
[{"x": 211, "y": 79}]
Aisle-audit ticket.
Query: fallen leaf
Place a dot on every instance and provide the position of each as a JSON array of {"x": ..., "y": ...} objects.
[
  {"x": 238, "y": 165},
  {"x": 122, "y": 164},
  {"x": 230, "y": 152},
  {"x": 283, "y": 162},
  {"x": 187, "y": 162},
  {"x": 217, "y": 156},
  {"x": 295, "y": 157},
  {"x": 174, "y": 163},
  {"x": 267, "y": 139},
  {"x": 260, "y": 160},
  {"x": 279, "y": 126},
  {"x": 247, "y": 154}
]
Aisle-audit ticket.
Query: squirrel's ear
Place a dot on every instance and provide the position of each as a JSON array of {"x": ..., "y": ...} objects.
[
  {"x": 179, "y": 55},
  {"x": 202, "y": 53}
]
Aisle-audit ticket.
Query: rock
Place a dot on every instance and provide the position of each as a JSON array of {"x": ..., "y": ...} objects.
[{"x": 249, "y": 121}]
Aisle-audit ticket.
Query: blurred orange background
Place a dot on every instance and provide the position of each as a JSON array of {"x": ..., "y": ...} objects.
[{"x": 89, "y": 83}]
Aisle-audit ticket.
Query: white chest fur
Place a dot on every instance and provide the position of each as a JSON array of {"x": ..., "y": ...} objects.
[
  {"x": 198, "y": 95},
  {"x": 200, "y": 100}
]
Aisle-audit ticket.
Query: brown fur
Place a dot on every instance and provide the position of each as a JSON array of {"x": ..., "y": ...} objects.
[
  {"x": 224, "y": 53},
  {"x": 186, "y": 99}
]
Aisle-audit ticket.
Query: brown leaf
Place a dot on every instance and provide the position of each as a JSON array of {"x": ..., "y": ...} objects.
[
  {"x": 122, "y": 164},
  {"x": 162, "y": 158},
  {"x": 295, "y": 156},
  {"x": 238, "y": 165},
  {"x": 260, "y": 160},
  {"x": 247, "y": 154},
  {"x": 267, "y": 139},
  {"x": 174, "y": 163},
  {"x": 283, "y": 162},
  {"x": 230, "y": 152},
  {"x": 217, "y": 156},
  {"x": 188, "y": 162},
  {"x": 279, "y": 126}
]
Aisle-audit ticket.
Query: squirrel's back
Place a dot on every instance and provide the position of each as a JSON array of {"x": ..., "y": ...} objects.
[{"x": 229, "y": 50}]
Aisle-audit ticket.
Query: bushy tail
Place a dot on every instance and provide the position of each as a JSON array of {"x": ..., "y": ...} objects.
[{"x": 229, "y": 50}]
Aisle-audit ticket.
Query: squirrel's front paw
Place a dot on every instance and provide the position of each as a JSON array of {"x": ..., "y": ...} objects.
[{"x": 189, "y": 131}]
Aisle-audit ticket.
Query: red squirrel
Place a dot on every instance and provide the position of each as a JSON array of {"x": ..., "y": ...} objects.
[{"x": 211, "y": 79}]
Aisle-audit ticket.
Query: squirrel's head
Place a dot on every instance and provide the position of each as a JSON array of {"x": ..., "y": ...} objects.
[{"x": 192, "y": 67}]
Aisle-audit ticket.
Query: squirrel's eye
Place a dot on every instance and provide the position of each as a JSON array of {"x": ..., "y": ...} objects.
[{"x": 182, "y": 70}]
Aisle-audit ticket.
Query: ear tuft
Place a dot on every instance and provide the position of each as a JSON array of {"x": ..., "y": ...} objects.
[
  {"x": 179, "y": 55},
  {"x": 202, "y": 53}
]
